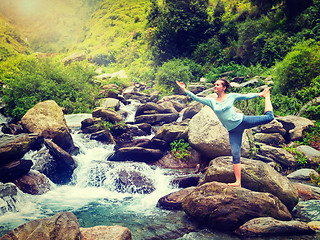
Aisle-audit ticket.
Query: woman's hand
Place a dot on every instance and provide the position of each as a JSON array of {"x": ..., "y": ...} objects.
[
  {"x": 265, "y": 92},
  {"x": 182, "y": 86}
]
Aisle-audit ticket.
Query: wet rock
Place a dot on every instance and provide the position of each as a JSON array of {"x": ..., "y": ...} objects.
[
  {"x": 173, "y": 131},
  {"x": 302, "y": 174},
  {"x": 219, "y": 206},
  {"x": 186, "y": 181},
  {"x": 149, "y": 108},
  {"x": 256, "y": 176},
  {"x": 295, "y": 126},
  {"x": 268, "y": 226},
  {"x": 307, "y": 192},
  {"x": 144, "y": 127},
  {"x": 12, "y": 128},
  {"x": 105, "y": 233},
  {"x": 34, "y": 183},
  {"x": 63, "y": 225},
  {"x": 14, "y": 170},
  {"x": 47, "y": 119},
  {"x": 273, "y": 139},
  {"x": 137, "y": 154},
  {"x": 8, "y": 198},
  {"x": 279, "y": 155},
  {"x": 103, "y": 136},
  {"x": 208, "y": 136},
  {"x": 13, "y": 147},
  {"x": 173, "y": 201},
  {"x": 133, "y": 182},
  {"x": 107, "y": 115},
  {"x": 157, "y": 118}
]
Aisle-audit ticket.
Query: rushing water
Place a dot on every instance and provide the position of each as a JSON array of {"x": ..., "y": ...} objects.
[{"x": 94, "y": 199}]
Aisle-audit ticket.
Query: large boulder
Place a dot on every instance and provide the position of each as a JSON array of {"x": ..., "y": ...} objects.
[
  {"x": 47, "y": 119},
  {"x": 173, "y": 131},
  {"x": 279, "y": 155},
  {"x": 268, "y": 226},
  {"x": 157, "y": 118},
  {"x": 307, "y": 192},
  {"x": 219, "y": 206},
  {"x": 13, "y": 147},
  {"x": 256, "y": 176},
  {"x": 173, "y": 201},
  {"x": 105, "y": 233},
  {"x": 107, "y": 114},
  {"x": 63, "y": 225},
  {"x": 110, "y": 103},
  {"x": 295, "y": 126},
  {"x": 34, "y": 183},
  {"x": 138, "y": 154},
  {"x": 208, "y": 136}
]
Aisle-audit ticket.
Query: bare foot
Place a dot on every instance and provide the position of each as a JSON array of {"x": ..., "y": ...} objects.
[
  {"x": 265, "y": 92},
  {"x": 234, "y": 184}
]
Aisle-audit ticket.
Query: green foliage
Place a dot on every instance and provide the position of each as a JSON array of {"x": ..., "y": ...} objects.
[
  {"x": 181, "y": 149},
  {"x": 313, "y": 134},
  {"x": 169, "y": 72},
  {"x": 315, "y": 179},
  {"x": 301, "y": 159},
  {"x": 29, "y": 80},
  {"x": 298, "y": 68},
  {"x": 284, "y": 105}
]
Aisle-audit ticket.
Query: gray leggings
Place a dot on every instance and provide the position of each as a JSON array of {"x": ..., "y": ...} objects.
[{"x": 235, "y": 135}]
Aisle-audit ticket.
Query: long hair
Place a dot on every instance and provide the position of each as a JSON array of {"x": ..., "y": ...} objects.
[{"x": 225, "y": 83}]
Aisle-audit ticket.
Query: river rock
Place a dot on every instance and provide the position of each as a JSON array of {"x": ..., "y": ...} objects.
[
  {"x": 8, "y": 198},
  {"x": 302, "y": 174},
  {"x": 268, "y": 226},
  {"x": 157, "y": 118},
  {"x": 256, "y": 176},
  {"x": 173, "y": 131},
  {"x": 274, "y": 139},
  {"x": 183, "y": 99},
  {"x": 273, "y": 127},
  {"x": 63, "y": 225},
  {"x": 219, "y": 206},
  {"x": 103, "y": 136},
  {"x": 149, "y": 108},
  {"x": 173, "y": 201},
  {"x": 105, "y": 233},
  {"x": 12, "y": 128},
  {"x": 137, "y": 154},
  {"x": 307, "y": 192},
  {"x": 34, "y": 183},
  {"x": 196, "y": 88},
  {"x": 47, "y": 119},
  {"x": 192, "y": 109},
  {"x": 279, "y": 155},
  {"x": 13, "y": 147},
  {"x": 144, "y": 127},
  {"x": 186, "y": 181},
  {"x": 315, "y": 225},
  {"x": 295, "y": 126},
  {"x": 107, "y": 114},
  {"x": 208, "y": 136},
  {"x": 308, "y": 210},
  {"x": 310, "y": 153},
  {"x": 14, "y": 170},
  {"x": 133, "y": 182},
  {"x": 109, "y": 103}
]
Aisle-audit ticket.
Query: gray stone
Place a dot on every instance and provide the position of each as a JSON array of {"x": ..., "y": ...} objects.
[
  {"x": 274, "y": 139},
  {"x": 279, "y": 155},
  {"x": 312, "y": 154},
  {"x": 109, "y": 103},
  {"x": 302, "y": 174}
]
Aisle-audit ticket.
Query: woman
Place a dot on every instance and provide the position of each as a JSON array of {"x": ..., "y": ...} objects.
[{"x": 234, "y": 122}]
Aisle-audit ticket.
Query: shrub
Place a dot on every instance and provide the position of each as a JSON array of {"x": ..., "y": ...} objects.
[
  {"x": 298, "y": 68},
  {"x": 181, "y": 149},
  {"x": 29, "y": 80}
]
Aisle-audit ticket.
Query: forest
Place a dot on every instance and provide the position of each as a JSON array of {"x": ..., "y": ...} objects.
[{"x": 158, "y": 42}]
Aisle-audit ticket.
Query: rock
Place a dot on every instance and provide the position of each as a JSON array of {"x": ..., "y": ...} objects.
[
  {"x": 119, "y": 74},
  {"x": 149, "y": 108},
  {"x": 47, "y": 119},
  {"x": 310, "y": 153},
  {"x": 196, "y": 88},
  {"x": 11, "y": 128},
  {"x": 178, "y": 98},
  {"x": 13, "y": 147},
  {"x": 137, "y": 154},
  {"x": 267, "y": 226},
  {"x": 8, "y": 198},
  {"x": 274, "y": 139},
  {"x": 256, "y": 176},
  {"x": 308, "y": 210},
  {"x": 209, "y": 137},
  {"x": 219, "y": 206},
  {"x": 315, "y": 225},
  {"x": 302, "y": 174},
  {"x": 273, "y": 127},
  {"x": 307, "y": 192},
  {"x": 192, "y": 110},
  {"x": 107, "y": 115},
  {"x": 144, "y": 127},
  {"x": 295, "y": 126},
  {"x": 105, "y": 233},
  {"x": 103, "y": 136},
  {"x": 251, "y": 83},
  {"x": 133, "y": 182},
  {"x": 154, "y": 143},
  {"x": 76, "y": 57},
  {"x": 34, "y": 183},
  {"x": 173, "y": 201},
  {"x": 90, "y": 122},
  {"x": 63, "y": 225},
  {"x": 14, "y": 170},
  {"x": 279, "y": 155},
  {"x": 157, "y": 118},
  {"x": 186, "y": 181},
  {"x": 109, "y": 103},
  {"x": 173, "y": 131}
]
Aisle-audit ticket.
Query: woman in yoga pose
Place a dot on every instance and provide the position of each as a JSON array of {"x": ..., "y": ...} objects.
[{"x": 234, "y": 122}]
